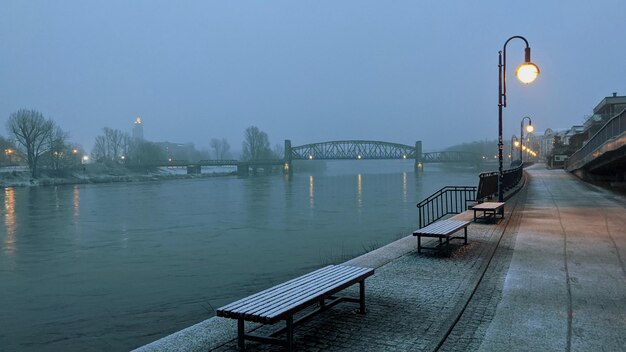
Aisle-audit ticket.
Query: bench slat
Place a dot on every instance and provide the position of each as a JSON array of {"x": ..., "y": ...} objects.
[
  {"x": 268, "y": 292},
  {"x": 295, "y": 292},
  {"x": 273, "y": 303},
  {"x": 294, "y": 296},
  {"x": 278, "y": 291},
  {"x": 443, "y": 227},
  {"x": 308, "y": 296}
]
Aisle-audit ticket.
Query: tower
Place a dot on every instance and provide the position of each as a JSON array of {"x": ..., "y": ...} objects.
[{"x": 138, "y": 129}]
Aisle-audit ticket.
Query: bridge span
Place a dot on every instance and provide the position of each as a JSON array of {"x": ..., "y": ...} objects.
[{"x": 364, "y": 149}]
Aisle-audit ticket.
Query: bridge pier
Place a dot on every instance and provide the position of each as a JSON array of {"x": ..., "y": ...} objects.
[
  {"x": 287, "y": 166},
  {"x": 419, "y": 164}
]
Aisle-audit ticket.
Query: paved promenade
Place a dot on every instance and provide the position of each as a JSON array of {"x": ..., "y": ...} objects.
[{"x": 549, "y": 277}]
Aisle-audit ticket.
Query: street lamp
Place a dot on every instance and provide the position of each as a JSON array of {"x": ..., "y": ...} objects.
[
  {"x": 526, "y": 73},
  {"x": 529, "y": 129}
]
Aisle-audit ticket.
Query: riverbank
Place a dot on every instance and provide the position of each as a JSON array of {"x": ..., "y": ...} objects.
[{"x": 16, "y": 178}]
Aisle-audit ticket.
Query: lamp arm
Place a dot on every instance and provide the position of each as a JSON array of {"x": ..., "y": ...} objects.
[{"x": 503, "y": 65}]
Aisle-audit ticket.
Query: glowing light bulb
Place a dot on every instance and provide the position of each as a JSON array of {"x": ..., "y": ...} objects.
[{"x": 527, "y": 72}]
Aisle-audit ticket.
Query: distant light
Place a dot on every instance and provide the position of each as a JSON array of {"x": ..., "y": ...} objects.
[
  {"x": 310, "y": 157},
  {"x": 530, "y": 128},
  {"x": 74, "y": 151},
  {"x": 138, "y": 120},
  {"x": 85, "y": 157},
  {"x": 516, "y": 143},
  {"x": 404, "y": 157},
  {"x": 169, "y": 159},
  {"x": 122, "y": 157},
  {"x": 359, "y": 156}
]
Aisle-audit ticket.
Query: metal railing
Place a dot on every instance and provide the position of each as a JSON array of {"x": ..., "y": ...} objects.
[
  {"x": 448, "y": 200},
  {"x": 488, "y": 182},
  {"x": 455, "y": 199},
  {"x": 613, "y": 128}
]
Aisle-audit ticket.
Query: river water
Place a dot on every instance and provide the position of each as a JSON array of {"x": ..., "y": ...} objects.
[{"x": 114, "y": 266}]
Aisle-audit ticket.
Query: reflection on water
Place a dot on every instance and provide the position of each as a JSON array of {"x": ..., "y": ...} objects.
[
  {"x": 359, "y": 188},
  {"x": 311, "y": 193},
  {"x": 9, "y": 219},
  {"x": 76, "y": 202},
  {"x": 404, "y": 187}
]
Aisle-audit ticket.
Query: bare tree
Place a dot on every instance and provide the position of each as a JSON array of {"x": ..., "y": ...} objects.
[
  {"x": 99, "y": 151},
  {"x": 116, "y": 141},
  {"x": 256, "y": 145},
  {"x": 279, "y": 151},
  {"x": 143, "y": 153},
  {"x": 221, "y": 148},
  {"x": 32, "y": 131},
  {"x": 111, "y": 145},
  {"x": 59, "y": 155}
]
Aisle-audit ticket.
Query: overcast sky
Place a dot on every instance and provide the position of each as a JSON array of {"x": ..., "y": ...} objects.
[{"x": 309, "y": 71}]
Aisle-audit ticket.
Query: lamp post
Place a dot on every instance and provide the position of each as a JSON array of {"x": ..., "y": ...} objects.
[
  {"x": 529, "y": 129},
  {"x": 526, "y": 73}
]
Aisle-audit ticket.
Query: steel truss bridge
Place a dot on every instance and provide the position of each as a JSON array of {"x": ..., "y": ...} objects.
[
  {"x": 333, "y": 150},
  {"x": 362, "y": 149}
]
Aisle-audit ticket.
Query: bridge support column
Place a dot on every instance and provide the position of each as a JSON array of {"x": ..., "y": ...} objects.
[
  {"x": 419, "y": 164},
  {"x": 243, "y": 169},
  {"x": 287, "y": 166}
]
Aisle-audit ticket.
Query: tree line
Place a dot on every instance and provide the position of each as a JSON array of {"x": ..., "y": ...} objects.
[{"x": 44, "y": 144}]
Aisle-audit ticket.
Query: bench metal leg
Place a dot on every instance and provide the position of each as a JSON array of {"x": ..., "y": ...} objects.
[
  {"x": 290, "y": 333},
  {"x": 465, "y": 235},
  {"x": 241, "y": 341},
  {"x": 419, "y": 244},
  {"x": 362, "y": 297}
]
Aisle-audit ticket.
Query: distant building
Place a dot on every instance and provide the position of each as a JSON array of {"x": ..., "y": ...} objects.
[
  {"x": 546, "y": 143},
  {"x": 138, "y": 129},
  {"x": 603, "y": 112}
]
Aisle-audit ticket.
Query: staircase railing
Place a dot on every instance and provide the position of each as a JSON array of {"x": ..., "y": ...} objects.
[{"x": 448, "y": 200}]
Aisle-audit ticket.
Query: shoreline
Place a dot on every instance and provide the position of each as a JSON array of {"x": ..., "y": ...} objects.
[{"x": 76, "y": 179}]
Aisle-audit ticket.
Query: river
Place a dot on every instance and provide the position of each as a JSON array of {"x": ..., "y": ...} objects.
[{"x": 110, "y": 267}]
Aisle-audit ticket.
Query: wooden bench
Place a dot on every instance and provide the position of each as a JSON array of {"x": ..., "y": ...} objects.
[
  {"x": 441, "y": 229},
  {"x": 490, "y": 210},
  {"x": 283, "y": 301}
]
